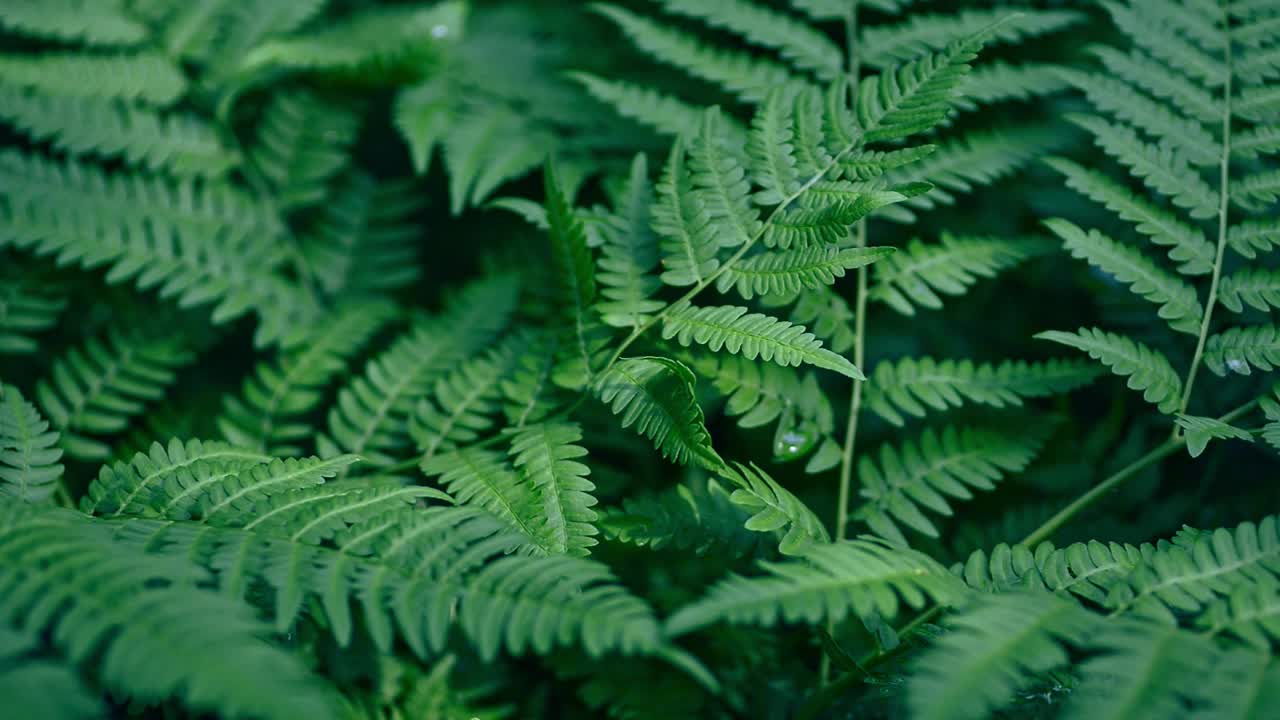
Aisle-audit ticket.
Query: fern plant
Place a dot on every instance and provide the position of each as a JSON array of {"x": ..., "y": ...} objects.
[{"x": 709, "y": 358}]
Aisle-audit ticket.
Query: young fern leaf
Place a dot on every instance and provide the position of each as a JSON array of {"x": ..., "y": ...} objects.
[
  {"x": 29, "y": 469},
  {"x": 830, "y": 582},
  {"x": 752, "y": 335},
  {"x": 545, "y": 456},
  {"x": 916, "y": 386},
  {"x": 25, "y": 310},
  {"x": 921, "y": 475},
  {"x": 916, "y": 276},
  {"x": 95, "y": 390},
  {"x": 1148, "y": 370},
  {"x": 994, "y": 647},
  {"x": 656, "y": 395},
  {"x": 270, "y": 415},
  {"x": 1179, "y": 305}
]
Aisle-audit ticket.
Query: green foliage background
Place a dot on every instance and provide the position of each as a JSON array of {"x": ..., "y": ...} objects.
[{"x": 651, "y": 358}]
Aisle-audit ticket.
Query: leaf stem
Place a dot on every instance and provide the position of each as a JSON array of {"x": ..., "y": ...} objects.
[
  {"x": 855, "y": 397},
  {"x": 1224, "y": 199}
]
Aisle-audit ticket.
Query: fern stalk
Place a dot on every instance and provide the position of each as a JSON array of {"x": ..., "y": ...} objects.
[{"x": 1224, "y": 198}]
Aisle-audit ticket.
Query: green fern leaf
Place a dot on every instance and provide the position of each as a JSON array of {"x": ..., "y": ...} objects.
[
  {"x": 29, "y": 469},
  {"x": 696, "y": 516},
  {"x": 1179, "y": 304},
  {"x": 301, "y": 142},
  {"x": 683, "y": 224},
  {"x": 995, "y": 81},
  {"x": 785, "y": 272},
  {"x": 1251, "y": 614},
  {"x": 1200, "y": 430},
  {"x": 826, "y": 314},
  {"x": 1163, "y": 41},
  {"x": 1162, "y": 81},
  {"x": 40, "y": 686},
  {"x": 801, "y": 45},
  {"x": 95, "y": 390},
  {"x": 138, "y": 487},
  {"x": 921, "y": 475},
  {"x": 721, "y": 186},
  {"x": 25, "y": 310},
  {"x": 223, "y": 497},
  {"x": 629, "y": 255},
  {"x": 916, "y": 275},
  {"x": 1239, "y": 349},
  {"x": 1187, "y": 243},
  {"x": 1257, "y": 191},
  {"x": 752, "y": 335},
  {"x": 915, "y": 386},
  {"x": 994, "y": 647},
  {"x": 144, "y": 77},
  {"x": 775, "y": 509},
  {"x": 181, "y": 144},
  {"x": 829, "y": 583},
  {"x": 576, "y": 288},
  {"x": 1087, "y": 570},
  {"x": 922, "y": 33},
  {"x": 664, "y": 113},
  {"x": 1148, "y": 370},
  {"x": 738, "y": 72},
  {"x": 269, "y": 415},
  {"x": 476, "y": 476},
  {"x": 365, "y": 240},
  {"x": 97, "y": 23},
  {"x": 656, "y": 395},
  {"x": 545, "y": 456}
]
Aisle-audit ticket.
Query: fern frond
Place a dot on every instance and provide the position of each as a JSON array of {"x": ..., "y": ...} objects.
[
  {"x": 1147, "y": 369},
  {"x": 656, "y": 395},
  {"x": 25, "y": 310},
  {"x": 920, "y": 33},
  {"x": 372, "y": 39},
  {"x": 914, "y": 386},
  {"x": 102, "y": 23},
  {"x": 270, "y": 414},
  {"x": 1258, "y": 288},
  {"x": 1239, "y": 349},
  {"x": 144, "y": 623},
  {"x": 486, "y": 146},
  {"x": 1161, "y": 168},
  {"x": 1187, "y": 243},
  {"x": 371, "y": 415},
  {"x": 827, "y": 315},
  {"x": 365, "y": 240},
  {"x": 546, "y": 455},
  {"x": 1179, "y": 305},
  {"x": 1257, "y": 191},
  {"x": 301, "y": 142},
  {"x": 143, "y": 77},
  {"x": 29, "y": 469},
  {"x": 825, "y": 211},
  {"x": 696, "y": 516},
  {"x": 775, "y": 509},
  {"x": 916, "y": 276},
  {"x": 1087, "y": 570},
  {"x": 96, "y": 389},
  {"x": 721, "y": 185},
  {"x": 140, "y": 486},
  {"x": 921, "y": 475},
  {"x": 680, "y": 219},
  {"x": 1259, "y": 104},
  {"x": 1155, "y": 35},
  {"x": 1184, "y": 576},
  {"x": 828, "y": 583},
  {"x": 665, "y": 113},
  {"x": 737, "y": 72},
  {"x": 223, "y": 496},
  {"x": 1185, "y": 137},
  {"x": 973, "y": 160},
  {"x": 1250, "y": 237},
  {"x": 752, "y": 335},
  {"x": 995, "y": 81},
  {"x": 464, "y": 401},
  {"x": 629, "y": 255},
  {"x": 179, "y": 143},
  {"x": 575, "y": 288},
  {"x": 1250, "y": 613},
  {"x": 39, "y": 686},
  {"x": 1162, "y": 81},
  {"x": 993, "y": 648},
  {"x": 529, "y": 391},
  {"x": 797, "y": 42},
  {"x": 475, "y": 476},
  {"x": 786, "y": 272}
]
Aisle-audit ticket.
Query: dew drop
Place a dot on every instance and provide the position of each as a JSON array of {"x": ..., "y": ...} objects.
[
  {"x": 439, "y": 31},
  {"x": 794, "y": 442},
  {"x": 1238, "y": 365}
]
